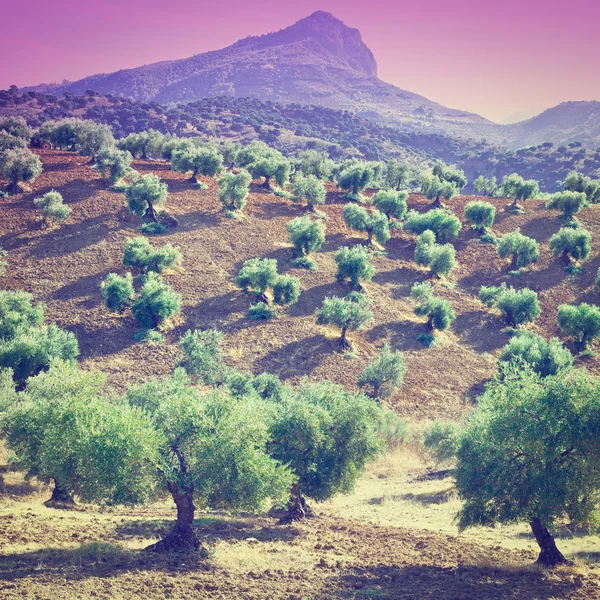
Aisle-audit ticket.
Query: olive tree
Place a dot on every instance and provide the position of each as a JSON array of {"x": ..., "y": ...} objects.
[
  {"x": 118, "y": 292},
  {"x": 438, "y": 311},
  {"x": 309, "y": 189},
  {"x": 229, "y": 151},
  {"x": 569, "y": 203},
  {"x": 434, "y": 188},
  {"x": 353, "y": 265},
  {"x": 19, "y": 166},
  {"x": 514, "y": 186},
  {"x": 443, "y": 223},
  {"x": 580, "y": 183},
  {"x": 64, "y": 429},
  {"x": 348, "y": 314},
  {"x": 113, "y": 164},
  {"x": 317, "y": 164},
  {"x": 571, "y": 243},
  {"x": 140, "y": 254},
  {"x": 145, "y": 144},
  {"x": 233, "y": 190},
  {"x": 543, "y": 357},
  {"x": 397, "y": 175},
  {"x": 522, "y": 250},
  {"x": 52, "y": 208},
  {"x": 144, "y": 195},
  {"x": 27, "y": 345},
  {"x": 156, "y": 303},
  {"x": 200, "y": 161},
  {"x": 203, "y": 356},
  {"x": 582, "y": 323},
  {"x": 263, "y": 161},
  {"x": 480, "y": 214},
  {"x": 325, "y": 436},
  {"x": 10, "y": 142},
  {"x": 530, "y": 452},
  {"x": 517, "y": 306},
  {"x": 16, "y": 127},
  {"x": 92, "y": 138},
  {"x": 440, "y": 258},
  {"x": 375, "y": 224},
  {"x": 486, "y": 186},
  {"x": 391, "y": 203},
  {"x": 385, "y": 374},
  {"x": 355, "y": 179},
  {"x": 307, "y": 236}
]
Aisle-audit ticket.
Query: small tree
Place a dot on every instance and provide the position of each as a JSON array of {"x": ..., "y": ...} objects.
[
  {"x": 514, "y": 186},
  {"x": 392, "y": 204},
  {"x": 325, "y": 436},
  {"x": 143, "y": 145},
  {"x": 577, "y": 182},
  {"x": 523, "y": 250},
  {"x": 375, "y": 224},
  {"x": 229, "y": 151},
  {"x": 286, "y": 290},
  {"x": 263, "y": 161},
  {"x": 569, "y": 203},
  {"x": 156, "y": 302},
  {"x": 438, "y": 311},
  {"x": 485, "y": 185},
  {"x": 353, "y": 264},
  {"x": 582, "y": 323},
  {"x": 203, "y": 356},
  {"x": 233, "y": 190},
  {"x": 530, "y": 453},
  {"x": 442, "y": 260},
  {"x": 348, "y": 314},
  {"x": 144, "y": 195},
  {"x": 17, "y": 127},
  {"x": 118, "y": 292},
  {"x": 443, "y": 223},
  {"x": 434, "y": 188},
  {"x": 398, "y": 176},
  {"x": 19, "y": 166},
  {"x": 307, "y": 236},
  {"x": 308, "y": 188},
  {"x": 571, "y": 243},
  {"x": 544, "y": 358},
  {"x": 425, "y": 244},
  {"x": 140, "y": 254},
  {"x": 113, "y": 164},
  {"x": 92, "y": 138},
  {"x": 315, "y": 163},
  {"x": 10, "y": 142},
  {"x": 63, "y": 429},
  {"x": 384, "y": 375},
  {"x": 517, "y": 306},
  {"x": 200, "y": 161},
  {"x": 52, "y": 208},
  {"x": 480, "y": 214},
  {"x": 355, "y": 179}
]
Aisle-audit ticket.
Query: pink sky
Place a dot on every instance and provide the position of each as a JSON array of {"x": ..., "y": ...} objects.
[{"x": 494, "y": 58}]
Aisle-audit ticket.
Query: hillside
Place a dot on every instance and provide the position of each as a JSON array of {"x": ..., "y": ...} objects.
[
  {"x": 293, "y": 128},
  {"x": 63, "y": 267}
]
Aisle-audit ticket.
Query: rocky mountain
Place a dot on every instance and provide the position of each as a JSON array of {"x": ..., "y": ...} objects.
[{"x": 318, "y": 60}]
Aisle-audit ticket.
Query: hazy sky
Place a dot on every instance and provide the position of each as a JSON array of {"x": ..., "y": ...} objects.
[{"x": 497, "y": 58}]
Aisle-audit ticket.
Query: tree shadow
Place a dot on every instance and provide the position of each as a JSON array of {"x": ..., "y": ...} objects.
[
  {"x": 448, "y": 583},
  {"x": 103, "y": 341},
  {"x": 403, "y": 278},
  {"x": 196, "y": 220},
  {"x": 541, "y": 228},
  {"x": 84, "y": 287},
  {"x": 402, "y": 335},
  {"x": 333, "y": 242},
  {"x": 297, "y": 358},
  {"x": 312, "y": 299},
  {"x": 270, "y": 209},
  {"x": 479, "y": 330},
  {"x": 210, "y": 312}
]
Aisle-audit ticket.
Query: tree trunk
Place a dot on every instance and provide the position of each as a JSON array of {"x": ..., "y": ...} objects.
[
  {"x": 298, "y": 509},
  {"x": 182, "y": 538},
  {"x": 550, "y": 555},
  {"x": 513, "y": 263},
  {"x": 514, "y": 205},
  {"x": 566, "y": 258},
  {"x": 60, "y": 497},
  {"x": 267, "y": 183},
  {"x": 194, "y": 178},
  {"x": 151, "y": 214},
  {"x": 369, "y": 236},
  {"x": 437, "y": 203},
  {"x": 311, "y": 207},
  {"x": 343, "y": 343},
  {"x": 429, "y": 324},
  {"x": 13, "y": 187}
]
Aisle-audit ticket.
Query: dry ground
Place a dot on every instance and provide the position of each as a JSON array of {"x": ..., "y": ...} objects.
[{"x": 63, "y": 267}]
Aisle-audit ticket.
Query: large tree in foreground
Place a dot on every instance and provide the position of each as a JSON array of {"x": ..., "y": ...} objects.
[{"x": 531, "y": 452}]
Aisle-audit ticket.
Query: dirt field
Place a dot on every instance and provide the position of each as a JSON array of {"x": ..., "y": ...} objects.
[
  {"x": 63, "y": 267},
  {"x": 394, "y": 537}
]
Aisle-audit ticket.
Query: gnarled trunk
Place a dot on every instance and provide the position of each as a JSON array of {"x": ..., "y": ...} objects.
[
  {"x": 437, "y": 203},
  {"x": 343, "y": 342},
  {"x": 298, "y": 509},
  {"x": 182, "y": 538},
  {"x": 514, "y": 205},
  {"x": 151, "y": 214},
  {"x": 429, "y": 324},
  {"x": 566, "y": 258},
  {"x": 60, "y": 497},
  {"x": 267, "y": 183},
  {"x": 550, "y": 555},
  {"x": 194, "y": 177}
]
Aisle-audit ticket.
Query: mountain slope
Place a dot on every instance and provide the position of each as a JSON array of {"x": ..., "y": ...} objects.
[{"x": 318, "y": 60}]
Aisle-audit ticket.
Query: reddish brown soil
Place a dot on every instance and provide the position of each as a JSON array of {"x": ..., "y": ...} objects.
[{"x": 63, "y": 267}]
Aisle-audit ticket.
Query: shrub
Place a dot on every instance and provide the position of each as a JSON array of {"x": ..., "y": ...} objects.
[
  {"x": 140, "y": 254},
  {"x": 384, "y": 375},
  {"x": 569, "y": 243},
  {"x": 348, "y": 314},
  {"x": 118, "y": 292},
  {"x": 153, "y": 228},
  {"x": 425, "y": 243},
  {"x": 442, "y": 440},
  {"x": 308, "y": 188},
  {"x": 233, "y": 190},
  {"x": 261, "y": 311},
  {"x": 391, "y": 203},
  {"x": 156, "y": 302},
  {"x": 19, "y": 165},
  {"x": 375, "y": 224},
  {"x": 444, "y": 224},
  {"x": 517, "y": 306},
  {"x": 442, "y": 259},
  {"x": 438, "y": 311},
  {"x": 286, "y": 290},
  {"x": 523, "y": 250},
  {"x": 353, "y": 264},
  {"x": 582, "y": 323},
  {"x": 52, "y": 208},
  {"x": 306, "y": 235},
  {"x": 480, "y": 214},
  {"x": 144, "y": 195},
  {"x": 569, "y": 203},
  {"x": 544, "y": 358}
]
